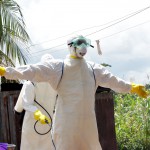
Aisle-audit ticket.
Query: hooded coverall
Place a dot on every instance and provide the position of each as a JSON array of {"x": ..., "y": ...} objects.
[
  {"x": 74, "y": 125},
  {"x": 45, "y": 96}
]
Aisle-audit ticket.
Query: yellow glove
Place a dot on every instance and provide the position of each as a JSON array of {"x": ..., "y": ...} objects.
[
  {"x": 2, "y": 71},
  {"x": 139, "y": 90},
  {"x": 40, "y": 117}
]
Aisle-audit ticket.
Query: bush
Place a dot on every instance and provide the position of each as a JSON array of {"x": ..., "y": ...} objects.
[{"x": 132, "y": 120}]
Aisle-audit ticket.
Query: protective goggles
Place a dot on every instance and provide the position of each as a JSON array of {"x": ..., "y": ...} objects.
[{"x": 80, "y": 42}]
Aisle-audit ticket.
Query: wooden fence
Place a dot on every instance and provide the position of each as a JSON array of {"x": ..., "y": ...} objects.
[
  {"x": 10, "y": 129},
  {"x": 10, "y": 122},
  {"x": 104, "y": 108}
]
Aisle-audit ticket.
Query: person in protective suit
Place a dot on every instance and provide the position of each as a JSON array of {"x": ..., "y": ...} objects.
[
  {"x": 74, "y": 125},
  {"x": 34, "y": 96}
]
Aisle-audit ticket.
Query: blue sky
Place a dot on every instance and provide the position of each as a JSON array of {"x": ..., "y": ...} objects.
[{"x": 125, "y": 46}]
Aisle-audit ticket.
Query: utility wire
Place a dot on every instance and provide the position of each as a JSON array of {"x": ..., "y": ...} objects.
[
  {"x": 48, "y": 48},
  {"x": 102, "y": 37},
  {"x": 126, "y": 17},
  {"x": 124, "y": 30},
  {"x": 133, "y": 14},
  {"x": 118, "y": 21}
]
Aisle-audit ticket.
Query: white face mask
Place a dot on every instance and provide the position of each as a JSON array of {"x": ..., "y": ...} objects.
[
  {"x": 78, "y": 52},
  {"x": 78, "y": 46},
  {"x": 81, "y": 51}
]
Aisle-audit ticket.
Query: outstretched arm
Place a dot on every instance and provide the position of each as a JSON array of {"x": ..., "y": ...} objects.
[
  {"x": 27, "y": 72},
  {"x": 49, "y": 71},
  {"x": 106, "y": 79}
]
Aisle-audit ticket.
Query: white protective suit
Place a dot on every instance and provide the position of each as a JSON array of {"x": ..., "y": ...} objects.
[
  {"x": 18, "y": 106},
  {"x": 74, "y": 126},
  {"x": 45, "y": 96}
]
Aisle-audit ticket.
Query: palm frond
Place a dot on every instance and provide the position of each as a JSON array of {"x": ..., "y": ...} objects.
[
  {"x": 5, "y": 60},
  {"x": 13, "y": 36},
  {"x": 12, "y": 19},
  {"x": 12, "y": 49}
]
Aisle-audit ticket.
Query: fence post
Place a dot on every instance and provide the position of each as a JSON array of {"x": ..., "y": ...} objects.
[
  {"x": 10, "y": 127},
  {"x": 104, "y": 109}
]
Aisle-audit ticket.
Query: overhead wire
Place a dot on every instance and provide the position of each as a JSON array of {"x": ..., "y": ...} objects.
[
  {"x": 124, "y": 30},
  {"x": 54, "y": 51},
  {"x": 118, "y": 21},
  {"x": 49, "y": 48},
  {"x": 126, "y": 17},
  {"x": 122, "y": 19}
]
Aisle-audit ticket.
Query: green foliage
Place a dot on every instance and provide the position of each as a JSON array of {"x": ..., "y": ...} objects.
[
  {"x": 132, "y": 117},
  {"x": 13, "y": 35},
  {"x": 105, "y": 65},
  {"x": 147, "y": 86},
  {"x": 4, "y": 80}
]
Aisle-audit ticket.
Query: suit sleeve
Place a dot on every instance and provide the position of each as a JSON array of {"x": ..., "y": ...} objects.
[
  {"x": 49, "y": 71},
  {"x": 28, "y": 97},
  {"x": 106, "y": 79}
]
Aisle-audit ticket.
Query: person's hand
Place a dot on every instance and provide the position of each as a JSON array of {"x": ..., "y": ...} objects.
[
  {"x": 2, "y": 71},
  {"x": 139, "y": 90},
  {"x": 40, "y": 117}
]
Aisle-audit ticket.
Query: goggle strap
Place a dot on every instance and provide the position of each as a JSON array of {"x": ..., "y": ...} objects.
[
  {"x": 92, "y": 46},
  {"x": 70, "y": 44}
]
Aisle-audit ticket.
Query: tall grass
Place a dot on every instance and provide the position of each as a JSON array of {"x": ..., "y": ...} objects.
[{"x": 132, "y": 120}]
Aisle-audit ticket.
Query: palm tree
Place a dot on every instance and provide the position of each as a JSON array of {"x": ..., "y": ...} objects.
[{"x": 13, "y": 36}]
